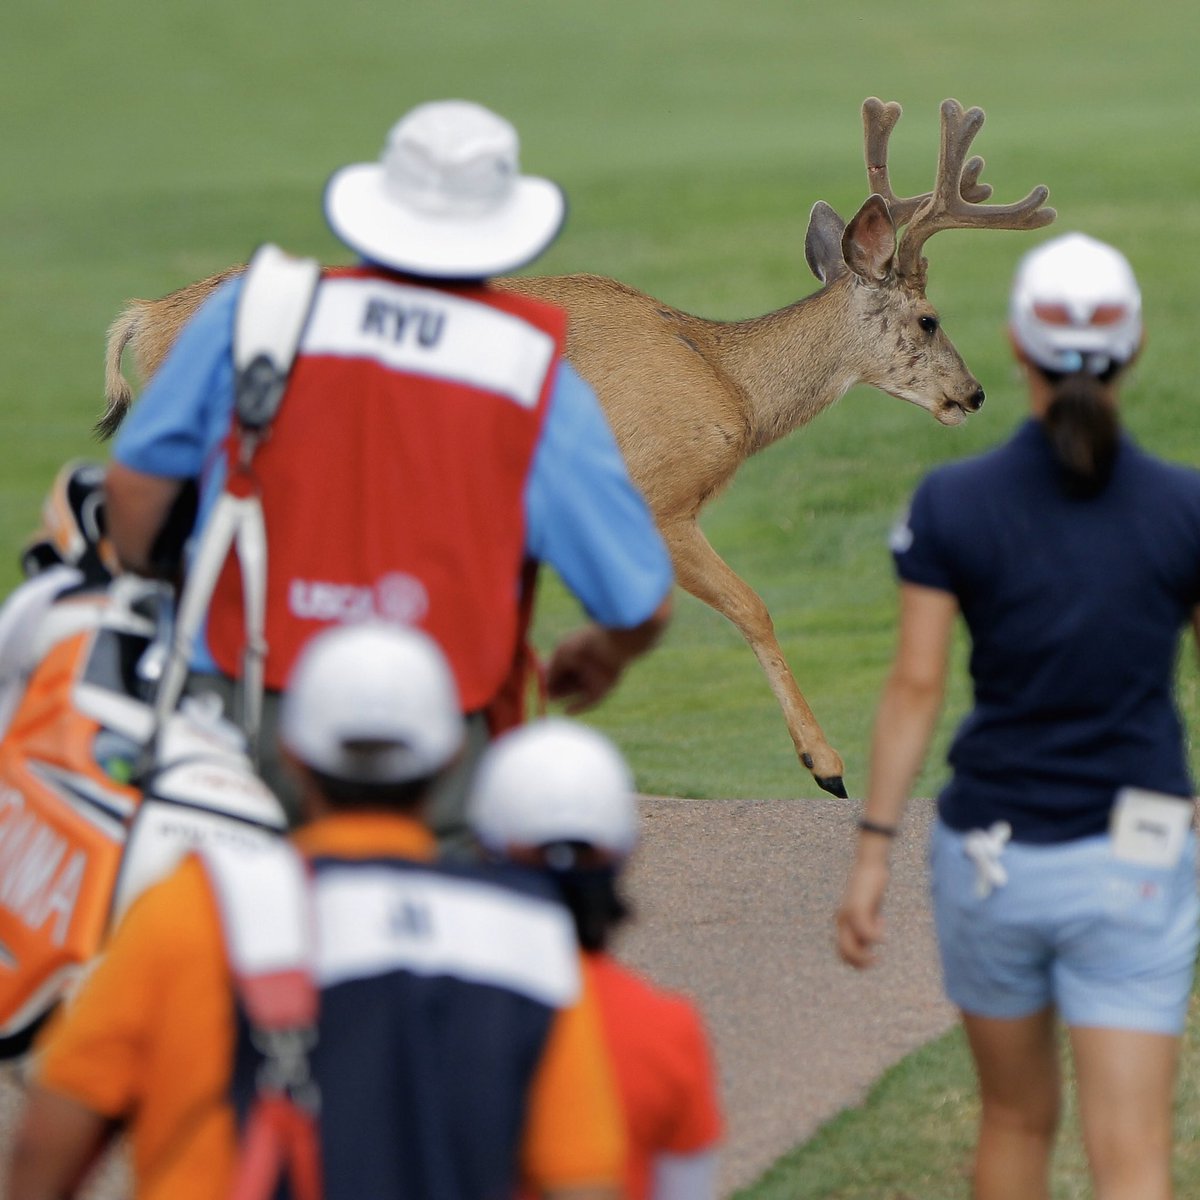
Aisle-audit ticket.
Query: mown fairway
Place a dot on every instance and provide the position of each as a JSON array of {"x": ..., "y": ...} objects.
[
  {"x": 146, "y": 144},
  {"x": 149, "y": 144}
]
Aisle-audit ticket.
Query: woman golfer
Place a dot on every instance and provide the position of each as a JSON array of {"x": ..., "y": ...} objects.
[{"x": 1063, "y": 859}]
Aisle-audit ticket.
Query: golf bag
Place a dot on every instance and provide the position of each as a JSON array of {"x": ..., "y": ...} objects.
[{"x": 99, "y": 797}]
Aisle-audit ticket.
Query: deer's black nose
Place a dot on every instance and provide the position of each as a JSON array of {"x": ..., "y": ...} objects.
[{"x": 976, "y": 399}]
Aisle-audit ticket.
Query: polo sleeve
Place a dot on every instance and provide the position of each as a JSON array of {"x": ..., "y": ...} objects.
[
  {"x": 918, "y": 549},
  {"x": 97, "y": 1048},
  {"x": 185, "y": 408},
  {"x": 574, "y": 1131},
  {"x": 584, "y": 516}
]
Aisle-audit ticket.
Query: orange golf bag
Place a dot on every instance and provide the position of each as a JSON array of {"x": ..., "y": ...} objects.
[{"x": 96, "y": 802}]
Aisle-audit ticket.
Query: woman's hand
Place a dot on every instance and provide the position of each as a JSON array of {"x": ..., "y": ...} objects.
[
  {"x": 860, "y": 917},
  {"x": 907, "y": 713}
]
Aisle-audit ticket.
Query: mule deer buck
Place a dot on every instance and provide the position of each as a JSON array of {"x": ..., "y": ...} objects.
[{"x": 690, "y": 399}]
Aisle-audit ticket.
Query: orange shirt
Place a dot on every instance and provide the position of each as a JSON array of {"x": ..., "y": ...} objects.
[
  {"x": 149, "y": 1037},
  {"x": 664, "y": 1069}
]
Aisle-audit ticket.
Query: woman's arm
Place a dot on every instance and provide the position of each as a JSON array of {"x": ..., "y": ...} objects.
[{"x": 908, "y": 710}]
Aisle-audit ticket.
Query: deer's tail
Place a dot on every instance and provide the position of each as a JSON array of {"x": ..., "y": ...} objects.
[{"x": 118, "y": 395}]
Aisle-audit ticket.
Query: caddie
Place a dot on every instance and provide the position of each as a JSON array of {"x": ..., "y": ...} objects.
[{"x": 431, "y": 442}]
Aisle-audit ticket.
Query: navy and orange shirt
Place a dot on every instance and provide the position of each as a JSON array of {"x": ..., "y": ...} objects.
[{"x": 449, "y": 1064}]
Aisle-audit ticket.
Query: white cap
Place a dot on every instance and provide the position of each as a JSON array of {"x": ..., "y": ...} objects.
[
  {"x": 1076, "y": 306},
  {"x": 372, "y": 703},
  {"x": 446, "y": 198},
  {"x": 554, "y": 781}
]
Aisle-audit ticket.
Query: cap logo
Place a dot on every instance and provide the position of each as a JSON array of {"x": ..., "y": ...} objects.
[{"x": 1099, "y": 315}]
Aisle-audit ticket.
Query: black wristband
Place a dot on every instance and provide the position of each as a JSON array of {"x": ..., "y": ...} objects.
[{"x": 887, "y": 831}]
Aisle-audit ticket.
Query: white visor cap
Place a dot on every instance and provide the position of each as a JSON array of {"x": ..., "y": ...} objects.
[
  {"x": 372, "y": 703},
  {"x": 1076, "y": 306},
  {"x": 554, "y": 781},
  {"x": 446, "y": 199}
]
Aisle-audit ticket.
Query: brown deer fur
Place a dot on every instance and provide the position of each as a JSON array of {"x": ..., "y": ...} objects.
[{"x": 690, "y": 399}]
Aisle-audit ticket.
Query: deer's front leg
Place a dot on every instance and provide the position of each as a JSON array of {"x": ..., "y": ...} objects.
[{"x": 703, "y": 572}]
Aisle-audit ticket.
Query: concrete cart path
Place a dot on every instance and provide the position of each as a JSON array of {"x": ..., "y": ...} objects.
[{"x": 735, "y": 903}]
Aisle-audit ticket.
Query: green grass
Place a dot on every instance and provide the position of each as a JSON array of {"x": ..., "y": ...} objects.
[
  {"x": 146, "y": 144},
  {"x": 912, "y": 1138}
]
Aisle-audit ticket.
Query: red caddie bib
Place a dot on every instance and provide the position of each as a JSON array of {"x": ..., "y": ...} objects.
[{"x": 393, "y": 477}]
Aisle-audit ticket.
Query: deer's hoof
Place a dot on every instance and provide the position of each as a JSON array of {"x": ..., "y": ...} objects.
[{"x": 833, "y": 785}]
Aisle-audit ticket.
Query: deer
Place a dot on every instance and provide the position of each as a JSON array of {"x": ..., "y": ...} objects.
[{"x": 690, "y": 399}]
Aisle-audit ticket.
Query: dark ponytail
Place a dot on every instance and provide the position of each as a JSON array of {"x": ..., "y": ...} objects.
[{"x": 1084, "y": 430}]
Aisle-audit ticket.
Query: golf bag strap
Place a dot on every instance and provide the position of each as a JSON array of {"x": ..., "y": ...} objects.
[
  {"x": 265, "y": 903},
  {"x": 277, "y": 296},
  {"x": 236, "y": 521}
]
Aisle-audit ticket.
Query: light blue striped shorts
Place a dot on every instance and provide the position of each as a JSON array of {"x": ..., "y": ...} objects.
[{"x": 1109, "y": 943}]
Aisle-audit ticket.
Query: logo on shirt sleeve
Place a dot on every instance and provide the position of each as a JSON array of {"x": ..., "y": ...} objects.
[{"x": 900, "y": 539}]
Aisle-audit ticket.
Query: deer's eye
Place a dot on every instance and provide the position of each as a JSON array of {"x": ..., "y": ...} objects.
[{"x": 928, "y": 324}]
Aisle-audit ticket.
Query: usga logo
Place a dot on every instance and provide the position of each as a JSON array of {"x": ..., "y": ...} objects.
[{"x": 396, "y": 597}]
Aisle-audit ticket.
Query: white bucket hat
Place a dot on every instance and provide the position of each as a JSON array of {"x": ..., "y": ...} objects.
[
  {"x": 1076, "y": 306},
  {"x": 554, "y": 781},
  {"x": 372, "y": 703},
  {"x": 446, "y": 199}
]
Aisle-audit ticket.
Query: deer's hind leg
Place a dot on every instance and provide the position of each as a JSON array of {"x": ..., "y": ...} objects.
[{"x": 702, "y": 571}]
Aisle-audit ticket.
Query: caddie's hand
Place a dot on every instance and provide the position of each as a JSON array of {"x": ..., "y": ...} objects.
[
  {"x": 860, "y": 917},
  {"x": 583, "y": 668}
]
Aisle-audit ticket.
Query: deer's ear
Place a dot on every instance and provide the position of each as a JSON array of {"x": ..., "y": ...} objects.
[
  {"x": 869, "y": 243},
  {"x": 823, "y": 243}
]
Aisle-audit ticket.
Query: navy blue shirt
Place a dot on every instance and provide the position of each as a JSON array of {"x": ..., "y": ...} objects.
[
  {"x": 439, "y": 989},
  {"x": 1074, "y": 609}
]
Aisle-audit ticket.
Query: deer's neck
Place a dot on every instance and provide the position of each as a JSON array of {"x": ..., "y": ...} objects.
[{"x": 791, "y": 364}]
